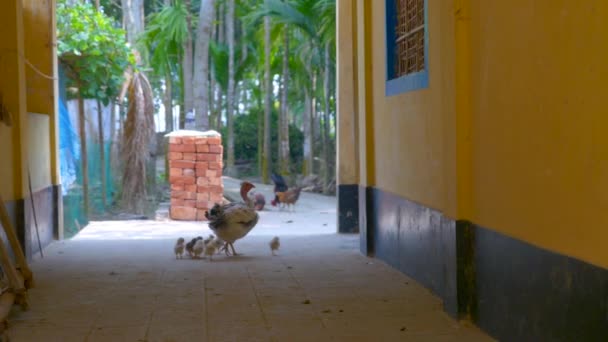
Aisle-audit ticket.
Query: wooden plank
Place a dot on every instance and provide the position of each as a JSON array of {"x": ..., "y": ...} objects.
[{"x": 16, "y": 246}]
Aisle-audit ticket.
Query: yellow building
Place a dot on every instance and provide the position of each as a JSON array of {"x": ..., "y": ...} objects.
[
  {"x": 473, "y": 155},
  {"x": 28, "y": 124}
]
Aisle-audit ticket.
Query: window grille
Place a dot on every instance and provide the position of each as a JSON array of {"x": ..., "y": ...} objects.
[{"x": 409, "y": 37}]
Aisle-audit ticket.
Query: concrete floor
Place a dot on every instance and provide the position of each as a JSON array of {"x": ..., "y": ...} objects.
[{"x": 118, "y": 281}]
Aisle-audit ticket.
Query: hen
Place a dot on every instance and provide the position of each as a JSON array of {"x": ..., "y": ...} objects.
[
  {"x": 289, "y": 197},
  {"x": 233, "y": 221}
]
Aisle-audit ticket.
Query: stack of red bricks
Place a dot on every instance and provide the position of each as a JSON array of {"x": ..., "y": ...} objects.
[{"x": 195, "y": 174}]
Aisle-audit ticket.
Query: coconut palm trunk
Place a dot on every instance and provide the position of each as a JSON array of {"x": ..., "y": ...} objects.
[
  {"x": 283, "y": 119},
  {"x": 267, "y": 160},
  {"x": 201, "y": 67},
  {"x": 231, "y": 98}
]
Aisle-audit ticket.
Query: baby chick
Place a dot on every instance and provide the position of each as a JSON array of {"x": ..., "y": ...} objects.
[
  {"x": 274, "y": 244},
  {"x": 210, "y": 238},
  {"x": 199, "y": 247},
  {"x": 211, "y": 248},
  {"x": 179, "y": 248}
]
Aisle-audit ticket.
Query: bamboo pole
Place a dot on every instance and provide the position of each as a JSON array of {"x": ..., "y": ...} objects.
[
  {"x": 6, "y": 303},
  {"x": 16, "y": 246}
]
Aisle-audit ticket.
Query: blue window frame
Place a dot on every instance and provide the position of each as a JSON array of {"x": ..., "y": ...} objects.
[{"x": 398, "y": 82}]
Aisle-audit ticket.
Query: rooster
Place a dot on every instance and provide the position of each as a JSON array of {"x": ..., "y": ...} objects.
[
  {"x": 279, "y": 186},
  {"x": 255, "y": 199},
  {"x": 233, "y": 221},
  {"x": 289, "y": 197}
]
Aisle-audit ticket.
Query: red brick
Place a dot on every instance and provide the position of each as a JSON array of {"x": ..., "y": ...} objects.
[
  {"x": 174, "y": 171},
  {"x": 177, "y": 202},
  {"x": 203, "y": 189},
  {"x": 175, "y": 140},
  {"x": 182, "y": 148},
  {"x": 181, "y": 180},
  {"x": 175, "y": 156},
  {"x": 202, "y": 204},
  {"x": 218, "y": 158},
  {"x": 188, "y": 172},
  {"x": 201, "y": 141},
  {"x": 201, "y": 172},
  {"x": 190, "y": 195},
  {"x": 200, "y": 214},
  {"x": 190, "y": 188},
  {"x": 219, "y": 172},
  {"x": 215, "y": 165},
  {"x": 182, "y": 164},
  {"x": 190, "y": 203},
  {"x": 214, "y": 197},
  {"x": 202, "y": 148},
  {"x": 205, "y": 156},
  {"x": 202, "y": 181},
  {"x": 189, "y": 156},
  {"x": 201, "y": 165},
  {"x": 215, "y": 181},
  {"x": 178, "y": 194},
  {"x": 202, "y": 196},
  {"x": 188, "y": 140},
  {"x": 177, "y": 187},
  {"x": 216, "y": 148},
  {"x": 183, "y": 213},
  {"x": 214, "y": 141},
  {"x": 218, "y": 189}
]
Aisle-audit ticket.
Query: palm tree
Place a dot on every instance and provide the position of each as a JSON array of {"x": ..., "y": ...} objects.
[
  {"x": 308, "y": 16},
  {"x": 230, "y": 99},
  {"x": 201, "y": 70},
  {"x": 266, "y": 161}
]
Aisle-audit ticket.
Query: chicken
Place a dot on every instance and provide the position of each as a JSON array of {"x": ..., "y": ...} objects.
[
  {"x": 274, "y": 244},
  {"x": 233, "y": 221},
  {"x": 279, "y": 186},
  {"x": 212, "y": 247},
  {"x": 255, "y": 199},
  {"x": 179, "y": 248},
  {"x": 190, "y": 245},
  {"x": 289, "y": 197},
  {"x": 198, "y": 248}
]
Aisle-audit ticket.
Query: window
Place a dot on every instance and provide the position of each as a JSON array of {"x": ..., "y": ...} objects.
[{"x": 406, "y": 46}]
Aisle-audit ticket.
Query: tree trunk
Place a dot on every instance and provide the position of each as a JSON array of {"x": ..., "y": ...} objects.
[
  {"x": 83, "y": 153},
  {"x": 283, "y": 116},
  {"x": 326, "y": 116},
  {"x": 201, "y": 69},
  {"x": 187, "y": 69},
  {"x": 307, "y": 168},
  {"x": 267, "y": 160},
  {"x": 168, "y": 103},
  {"x": 133, "y": 19},
  {"x": 102, "y": 155},
  {"x": 230, "y": 98}
]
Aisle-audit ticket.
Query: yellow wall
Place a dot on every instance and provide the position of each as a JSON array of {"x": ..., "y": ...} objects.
[
  {"x": 540, "y": 119},
  {"x": 39, "y": 157},
  {"x": 414, "y": 144}
]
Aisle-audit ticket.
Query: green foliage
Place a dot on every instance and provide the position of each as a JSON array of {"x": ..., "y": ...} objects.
[
  {"x": 93, "y": 50},
  {"x": 246, "y": 139}
]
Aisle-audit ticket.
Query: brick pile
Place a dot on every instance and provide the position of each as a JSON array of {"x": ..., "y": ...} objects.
[{"x": 195, "y": 173}]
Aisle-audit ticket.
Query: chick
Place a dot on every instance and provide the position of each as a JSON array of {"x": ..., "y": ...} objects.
[
  {"x": 210, "y": 238},
  {"x": 179, "y": 248},
  {"x": 199, "y": 247},
  {"x": 219, "y": 244},
  {"x": 189, "y": 246},
  {"x": 274, "y": 244},
  {"x": 211, "y": 248}
]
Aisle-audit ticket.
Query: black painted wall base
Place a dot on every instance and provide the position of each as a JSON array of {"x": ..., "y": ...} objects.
[
  {"x": 348, "y": 208},
  {"x": 22, "y": 217},
  {"x": 511, "y": 289}
]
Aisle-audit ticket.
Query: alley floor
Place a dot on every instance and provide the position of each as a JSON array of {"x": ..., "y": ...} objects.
[{"x": 119, "y": 281}]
